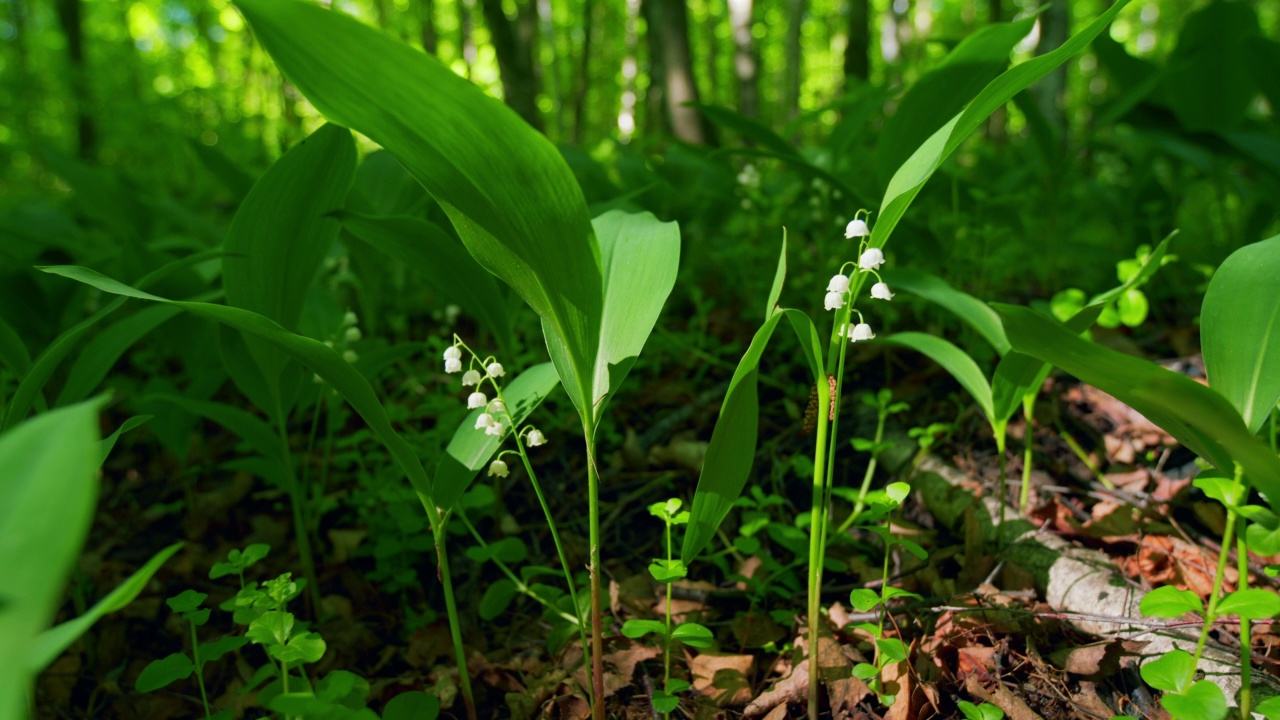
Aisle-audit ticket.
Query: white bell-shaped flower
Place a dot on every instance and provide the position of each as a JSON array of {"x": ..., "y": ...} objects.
[
  {"x": 856, "y": 228},
  {"x": 839, "y": 283},
  {"x": 497, "y": 407},
  {"x": 495, "y": 429},
  {"x": 484, "y": 420},
  {"x": 833, "y": 300},
  {"x": 453, "y": 352},
  {"x": 450, "y": 366},
  {"x": 880, "y": 291},
  {"x": 470, "y": 377},
  {"x": 476, "y": 400},
  {"x": 495, "y": 370},
  {"x": 452, "y": 359},
  {"x": 497, "y": 468},
  {"x": 861, "y": 331},
  {"x": 871, "y": 259},
  {"x": 536, "y": 438}
]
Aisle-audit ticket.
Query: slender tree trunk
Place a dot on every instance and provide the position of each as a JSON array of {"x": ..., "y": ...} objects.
[
  {"x": 669, "y": 40},
  {"x": 22, "y": 72},
  {"x": 794, "y": 61},
  {"x": 552, "y": 81},
  {"x": 629, "y": 105},
  {"x": 1055, "y": 26},
  {"x": 70, "y": 17},
  {"x": 995, "y": 13},
  {"x": 745, "y": 61},
  {"x": 857, "y": 53},
  {"x": 996, "y": 123},
  {"x": 465, "y": 40},
  {"x": 656, "y": 97},
  {"x": 512, "y": 42},
  {"x": 427, "y": 20},
  {"x": 582, "y": 84}
]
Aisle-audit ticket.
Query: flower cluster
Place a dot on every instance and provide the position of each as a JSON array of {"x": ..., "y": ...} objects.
[
  {"x": 494, "y": 419},
  {"x": 348, "y": 334},
  {"x": 839, "y": 293}
]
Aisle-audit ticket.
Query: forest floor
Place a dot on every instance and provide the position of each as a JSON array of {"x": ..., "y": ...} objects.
[{"x": 990, "y": 628}]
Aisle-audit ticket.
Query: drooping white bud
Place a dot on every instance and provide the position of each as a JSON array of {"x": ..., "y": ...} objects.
[
  {"x": 452, "y": 353},
  {"x": 495, "y": 429},
  {"x": 833, "y": 300},
  {"x": 483, "y": 421},
  {"x": 450, "y": 366},
  {"x": 495, "y": 370},
  {"x": 861, "y": 331},
  {"x": 839, "y": 283},
  {"x": 476, "y": 400},
  {"x": 470, "y": 377},
  {"x": 856, "y": 228},
  {"x": 880, "y": 291},
  {"x": 497, "y": 468},
  {"x": 872, "y": 259},
  {"x": 497, "y": 408},
  {"x": 536, "y": 438}
]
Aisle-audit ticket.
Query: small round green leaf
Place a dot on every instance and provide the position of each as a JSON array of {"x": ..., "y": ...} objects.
[
  {"x": 497, "y": 597},
  {"x": 892, "y": 650},
  {"x": 693, "y": 635},
  {"x": 863, "y": 599},
  {"x": 664, "y": 703},
  {"x": 1202, "y": 701},
  {"x": 1170, "y": 672},
  {"x": 186, "y": 601},
  {"x": 865, "y": 671},
  {"x": 1253, "y": 604},
  {"x": 1170, "y": 602},
  {"x": 636, "y": 629},
  {"x": 164, "y": 671}
]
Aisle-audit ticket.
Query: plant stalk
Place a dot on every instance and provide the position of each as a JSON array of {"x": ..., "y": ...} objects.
[
  {"x": 438, "y": 523},
  {"x": 815, "y": 540},
  {"x": 1246, "y": 641},
  {"x": 597, "y": 630},
  {"x": 1024, "y": 493},
  {"x": 195, "y": 655}
]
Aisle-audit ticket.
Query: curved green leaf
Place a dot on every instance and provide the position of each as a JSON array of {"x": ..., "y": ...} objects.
[
  {"x": 1204, "y": 700},
  {"x": 1240, "y": 330},
  {"x": 162, "y": 672},
  {"x": 412, "y": 705},
  {"x": 508, "y": 192},
  {"x": 1019, "y": 376},
  {"x": 968, "y": 308},
  {"x": 1197, "y": 416},
  {"x": 101, "y": 354},
  {"x": 953, "y": 360},
  {"x": 109, "y": 442},
  {"x": 322, "y": 360}
]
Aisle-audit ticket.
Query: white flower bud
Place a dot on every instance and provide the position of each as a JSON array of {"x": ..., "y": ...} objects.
[
  {"x": 450, "y": 365},
  {"x": 354, "y": 334},
  {"x": 476, "y": 400},
  {"x": 872, "y": 259},
  {"x": 497, "y": 468},
  {"x": 839, "y": 283},
  {"x": 484, "y": 421},
  {"x": 351, "y": 357},
  {"x": 495, "y": 370},
  {"x": 495, "y": 429},
  {"x": 880, "y": 291},
  {"x": 861, "y": 331},
  {"x": 451, "y": 313},
  {"x": 497, "y": 408},
  {"x": 470, "y": 377},
  {"x": 833, "y": 301},
  {"x": 536, "y": 438},
  {"x": 856, "y": 228},
  {"x": 452, "y": 353}
]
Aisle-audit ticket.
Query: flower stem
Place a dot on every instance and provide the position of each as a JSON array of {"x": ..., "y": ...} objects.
[
  {"x": 1211, "y": 612},
  {"x": 1246, "y": 643},
  {"x": 1028, "y": 413},
  {"x": 438, "y": 523},
  {"x": 597, "y": 630},
  {"x": 195, "y": 656}
]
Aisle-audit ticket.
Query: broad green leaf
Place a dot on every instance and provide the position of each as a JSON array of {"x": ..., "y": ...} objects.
[
  {"x": 747, "y": 127},
  {"x": 48, "y": 490},
  {"x": 443, "y": 261},
  {"x": 965, "y": 306},
  {"x": 731, "y": 451},
  {"x": 917, "y": 170},
  {"x": 1240, "y": 330},
  {"x": 253, "y": 430},
  {"x": 693, "y": 635},
  {"x": 412, "y": 705},
  {"x": 1197, "y": 416},
  {"x": 1170, "y": 602},
  {"x": 954, "y": 361},
  {"x": 640, "y": 256},
  {"x": 1262, "y": 539},
  {"x": 324, "y": 361},
  {"x": 497, "y": 597},
  {"x": 1270, "y": 708},
  {"x": 1019, "y": 376},
  {"x": 1252, "y": 604},
  {"x": 945, "y": 90},
  {"x": 1204, "y": 700},
  {"x": 109, "y": 442},
  {"x": 279, "y": 238},
  {"x": 779, "y": 278},
  {"x": 1170, "y": 672},
  {"x": 636, "y": 629},
  {"x": 300, "y": 704},
  {"x": 510, "y": 195},
  {"x": 162, "y": 672},
  {"x": 665, "y": 571},
  {"x": 891, "y": 650},
  {"x": 1208, "y": 83},
  {"x": 863, "y": 599},
  {"x": 470, "y": 450},
  {"x": 13, "y": 352}
]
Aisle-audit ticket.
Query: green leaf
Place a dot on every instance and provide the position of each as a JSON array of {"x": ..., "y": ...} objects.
[
  {"x": 636, "y": 629},
  {"x": 279, "y": 237},
  {"x": 897, "y": 492},
  {"x": 1220, "y": 486},
  {"x": 300, "y": 704},
  {"x": 677, "y": 685},
  {"x": 1254, "y": 604},
  {"x": 1019, "y": 376},
  {"x": 984, "y": 711},
  {"x": 865, "y": 671},
  {"x": 863, "y": 599},
  {"x": 412, "y": 705},
  {"x": 746, "y": 127},
  {"x": 968, "y": 308},
  {"x": 779, "y": 278},
  {"x": 162, "y": 672},
  {"x": 214, "y": 650},
  {"x": 891, "y": 592},
  {"x": 1270, "y": 708},
  {"x": 1240, "y": 331},
  {"x": 109, "y": 442},
  {"x": 497, "y": 597},
  {"x": 470, "y": 450},
  {"x": 1197, "y": 416},
  {"x": 443, "y": 261},
  {"x": 272, "y": 628},
  {"x": 104, "y": 351},
  {"x": 693, "y": 635},
  {"x": 916, "y": 171},
  {"x": 186, "y": 601},
  {"x": 954, "y": 361},
  {"x": 1132, "y": 307},
  {"x": 1262, "y": 539},
  {"x": 513, "y": 200},
  {"x": 322, "y": 360},
  {"x": 665, "y": 571},
  {"x": 1202, "y": 701},
  {"x": 663, "y": 702},
  {"x": 891, "y": 650},
  {"x": 945, "y": 90},
  {"x": 731, "y": 452},
  {"x": 1170, "y": 672},
  {"x": 509, "y": 550},
  {"x": 13, "y": 352},
  {"x": 1170, "y": 602},
  {"x": 306, "y": 648},
  {"x": 1208, "y": 82}
]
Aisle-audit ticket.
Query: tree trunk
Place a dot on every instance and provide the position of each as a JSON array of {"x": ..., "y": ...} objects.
[
  {"x": 70, "y": 16},
  {"x": 1055, "y": 25},
  {"x": 427, "y": 18},
  {"x": 857, "y": 53},
  {"x": 513, "y": 43},
  {"x": 465, "y": 40},
  {"x": 745, "y": 61},
  {"x": 669, "y": 43},
  {"x": 582, "y": 83},
  {"x": 794, "y": 59}
]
